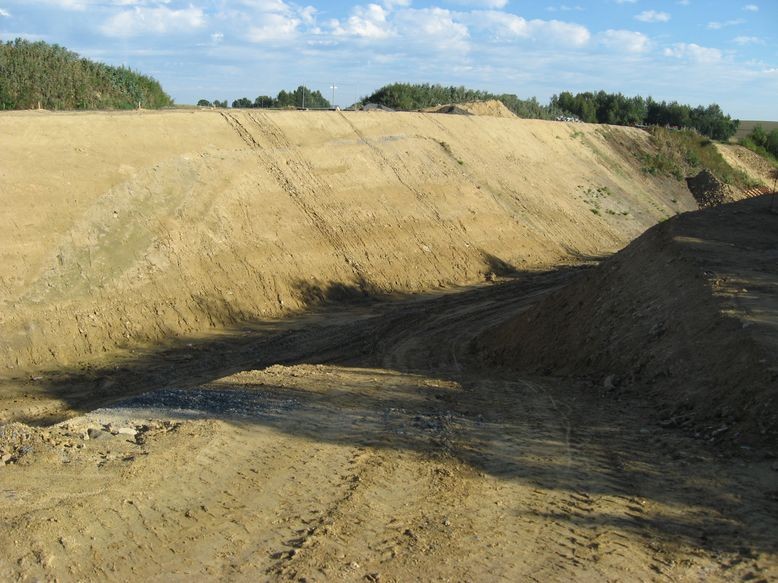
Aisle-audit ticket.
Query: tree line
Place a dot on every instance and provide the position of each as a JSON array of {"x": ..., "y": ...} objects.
[
  {"x": 300, "y": 97},
  {"x": 616, "y": 109},
  {"x": 410, "y": 96},
  {"x": 599, "y": 107},
  {"x": 38, "y": 74}
]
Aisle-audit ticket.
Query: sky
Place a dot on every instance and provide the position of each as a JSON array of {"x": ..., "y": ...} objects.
[{"x": 693, "y": 51}]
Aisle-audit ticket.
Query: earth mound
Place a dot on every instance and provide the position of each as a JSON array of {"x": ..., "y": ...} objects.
[
  {"x": 687, "y": 313},
  {"x": 708, "y": 190},
  {"x": 491, "y": 108},
  {"x": 132, "y": 229}
]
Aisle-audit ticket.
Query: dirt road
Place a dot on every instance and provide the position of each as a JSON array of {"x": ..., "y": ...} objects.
[{"x": 374, "y": 452}]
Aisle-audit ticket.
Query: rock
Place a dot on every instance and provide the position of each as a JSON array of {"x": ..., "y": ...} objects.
[
  {"x": 127, "y": 431},
  {"x": 775, "y": 466},
  {"x": 6, "y": 458},
  {"x": 608, "y": 383},
  {"x": 708, "y": 190},
  {"x": 95, "y": 433}
]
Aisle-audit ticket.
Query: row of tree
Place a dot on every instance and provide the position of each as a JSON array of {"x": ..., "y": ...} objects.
[
  {"x": 599, "y": 107},
  {"x": 615, "y": 108},
  {"x": 410, "y": 96},
  {"x": 300, "y": 97},
  {"x": 37, "y": 74}
]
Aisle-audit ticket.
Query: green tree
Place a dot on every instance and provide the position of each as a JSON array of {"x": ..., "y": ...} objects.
[
  {"x": 204, "y": 103},
  {"x": 37, "y": 73},
  {"x": 772, "y": 143},
  {"x": 243, "y": 102}
]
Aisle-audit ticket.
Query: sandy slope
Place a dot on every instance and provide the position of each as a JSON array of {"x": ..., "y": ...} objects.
[
  {"x": 359, "y": 440},
  {"x": 124, "y": 229},
  {"x": 688, "y": 313},
  {"x": 749, "y": 162}
]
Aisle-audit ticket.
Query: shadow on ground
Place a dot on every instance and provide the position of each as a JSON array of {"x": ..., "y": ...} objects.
[{"x": 405, "y": 381}]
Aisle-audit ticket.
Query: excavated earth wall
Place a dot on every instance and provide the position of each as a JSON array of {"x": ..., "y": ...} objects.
[{"x": 119, "y": 230}]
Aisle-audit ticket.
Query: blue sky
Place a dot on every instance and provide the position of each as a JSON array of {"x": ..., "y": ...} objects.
[{"x": 695, "y": 51}]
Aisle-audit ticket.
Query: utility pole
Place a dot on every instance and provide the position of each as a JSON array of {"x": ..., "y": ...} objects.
[{"x": 333, "y": 87}]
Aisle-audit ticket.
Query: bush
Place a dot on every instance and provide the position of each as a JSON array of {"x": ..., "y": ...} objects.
[{"x": 36, "y": 73}]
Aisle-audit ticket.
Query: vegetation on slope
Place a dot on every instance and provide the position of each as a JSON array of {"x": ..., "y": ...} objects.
[
  {"x": 762, "y": 142},
  {"x": 684, "y": 153},
  {"x": 36, "y": 74}
]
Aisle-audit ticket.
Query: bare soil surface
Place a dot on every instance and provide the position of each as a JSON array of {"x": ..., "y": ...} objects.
[
  {"x": 749, "y": 162},
  {"x": 242, "y": 346},
  {"x": 688, "y": 312},
  {"x": 375, "y": 452},
  {"x": 122, "y": 230}
]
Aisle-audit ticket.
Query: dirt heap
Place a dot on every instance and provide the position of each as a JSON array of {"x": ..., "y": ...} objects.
[
  {"x": 124, "y": 229},
  {"x": 490, "y": 108},
  {"x": 708, "y": 190},
  {"x": 688, "y": 313}
]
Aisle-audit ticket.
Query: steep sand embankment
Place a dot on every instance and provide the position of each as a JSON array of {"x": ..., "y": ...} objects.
[
  {"x": 120, "y": 229},
  {"x": 688, "y": 313}
]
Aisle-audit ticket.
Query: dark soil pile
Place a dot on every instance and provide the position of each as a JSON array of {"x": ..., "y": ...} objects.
[
  {"x": 687, "y": 313},
  {"x": 708, "y": 190}
]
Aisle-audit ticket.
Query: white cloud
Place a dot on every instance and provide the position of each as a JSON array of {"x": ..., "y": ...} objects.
[
  {"x": 693, "y": 52},
  {"x": 160, "y": 20},
  {"x": 432, "y": 29},
  {"x": 626, "y": 1},
  {"x": 4, "y": 13},
  {"x": 564, "y": 8},
  {"x": 751, "y": 8},
  {"x": 84, "y": 4},
  {"x": 748, "y": 40},
  {"x": 653, "y": 16},
  {"x": 369, "y": 22},
  {"x": 720, "y": 25},
  {"x": 273, "y": 27},
  {"x": 625, "y": 40},
  {"x": 481, "y": 3},
  {"x": 507, "y": 26}
]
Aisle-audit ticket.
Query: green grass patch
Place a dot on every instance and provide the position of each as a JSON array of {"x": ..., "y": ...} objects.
[{"x": 685, "y": 153}]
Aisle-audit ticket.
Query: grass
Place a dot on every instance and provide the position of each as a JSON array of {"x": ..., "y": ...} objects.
[{"x": 685, "y": 153}]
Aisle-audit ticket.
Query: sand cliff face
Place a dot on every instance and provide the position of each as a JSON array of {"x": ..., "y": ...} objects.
[{"x": 123, "y": 229}]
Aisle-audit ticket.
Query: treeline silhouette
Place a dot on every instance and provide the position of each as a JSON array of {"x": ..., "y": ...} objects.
[
  {"x": 599, "y": 107},
  {"x": 616, "y": 109},
  {"x": 300, "y": 97},
  {"x": 38, "y": 74}
]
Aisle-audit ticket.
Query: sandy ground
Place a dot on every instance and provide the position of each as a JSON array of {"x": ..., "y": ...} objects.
[
  {"x": 749, "y": 162},
  {"x": 689, "y": 312},
  {"x": 382, "y": 458},
  {"x": 240, "y": 346},
  {"x": 123, "y": 230}
]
